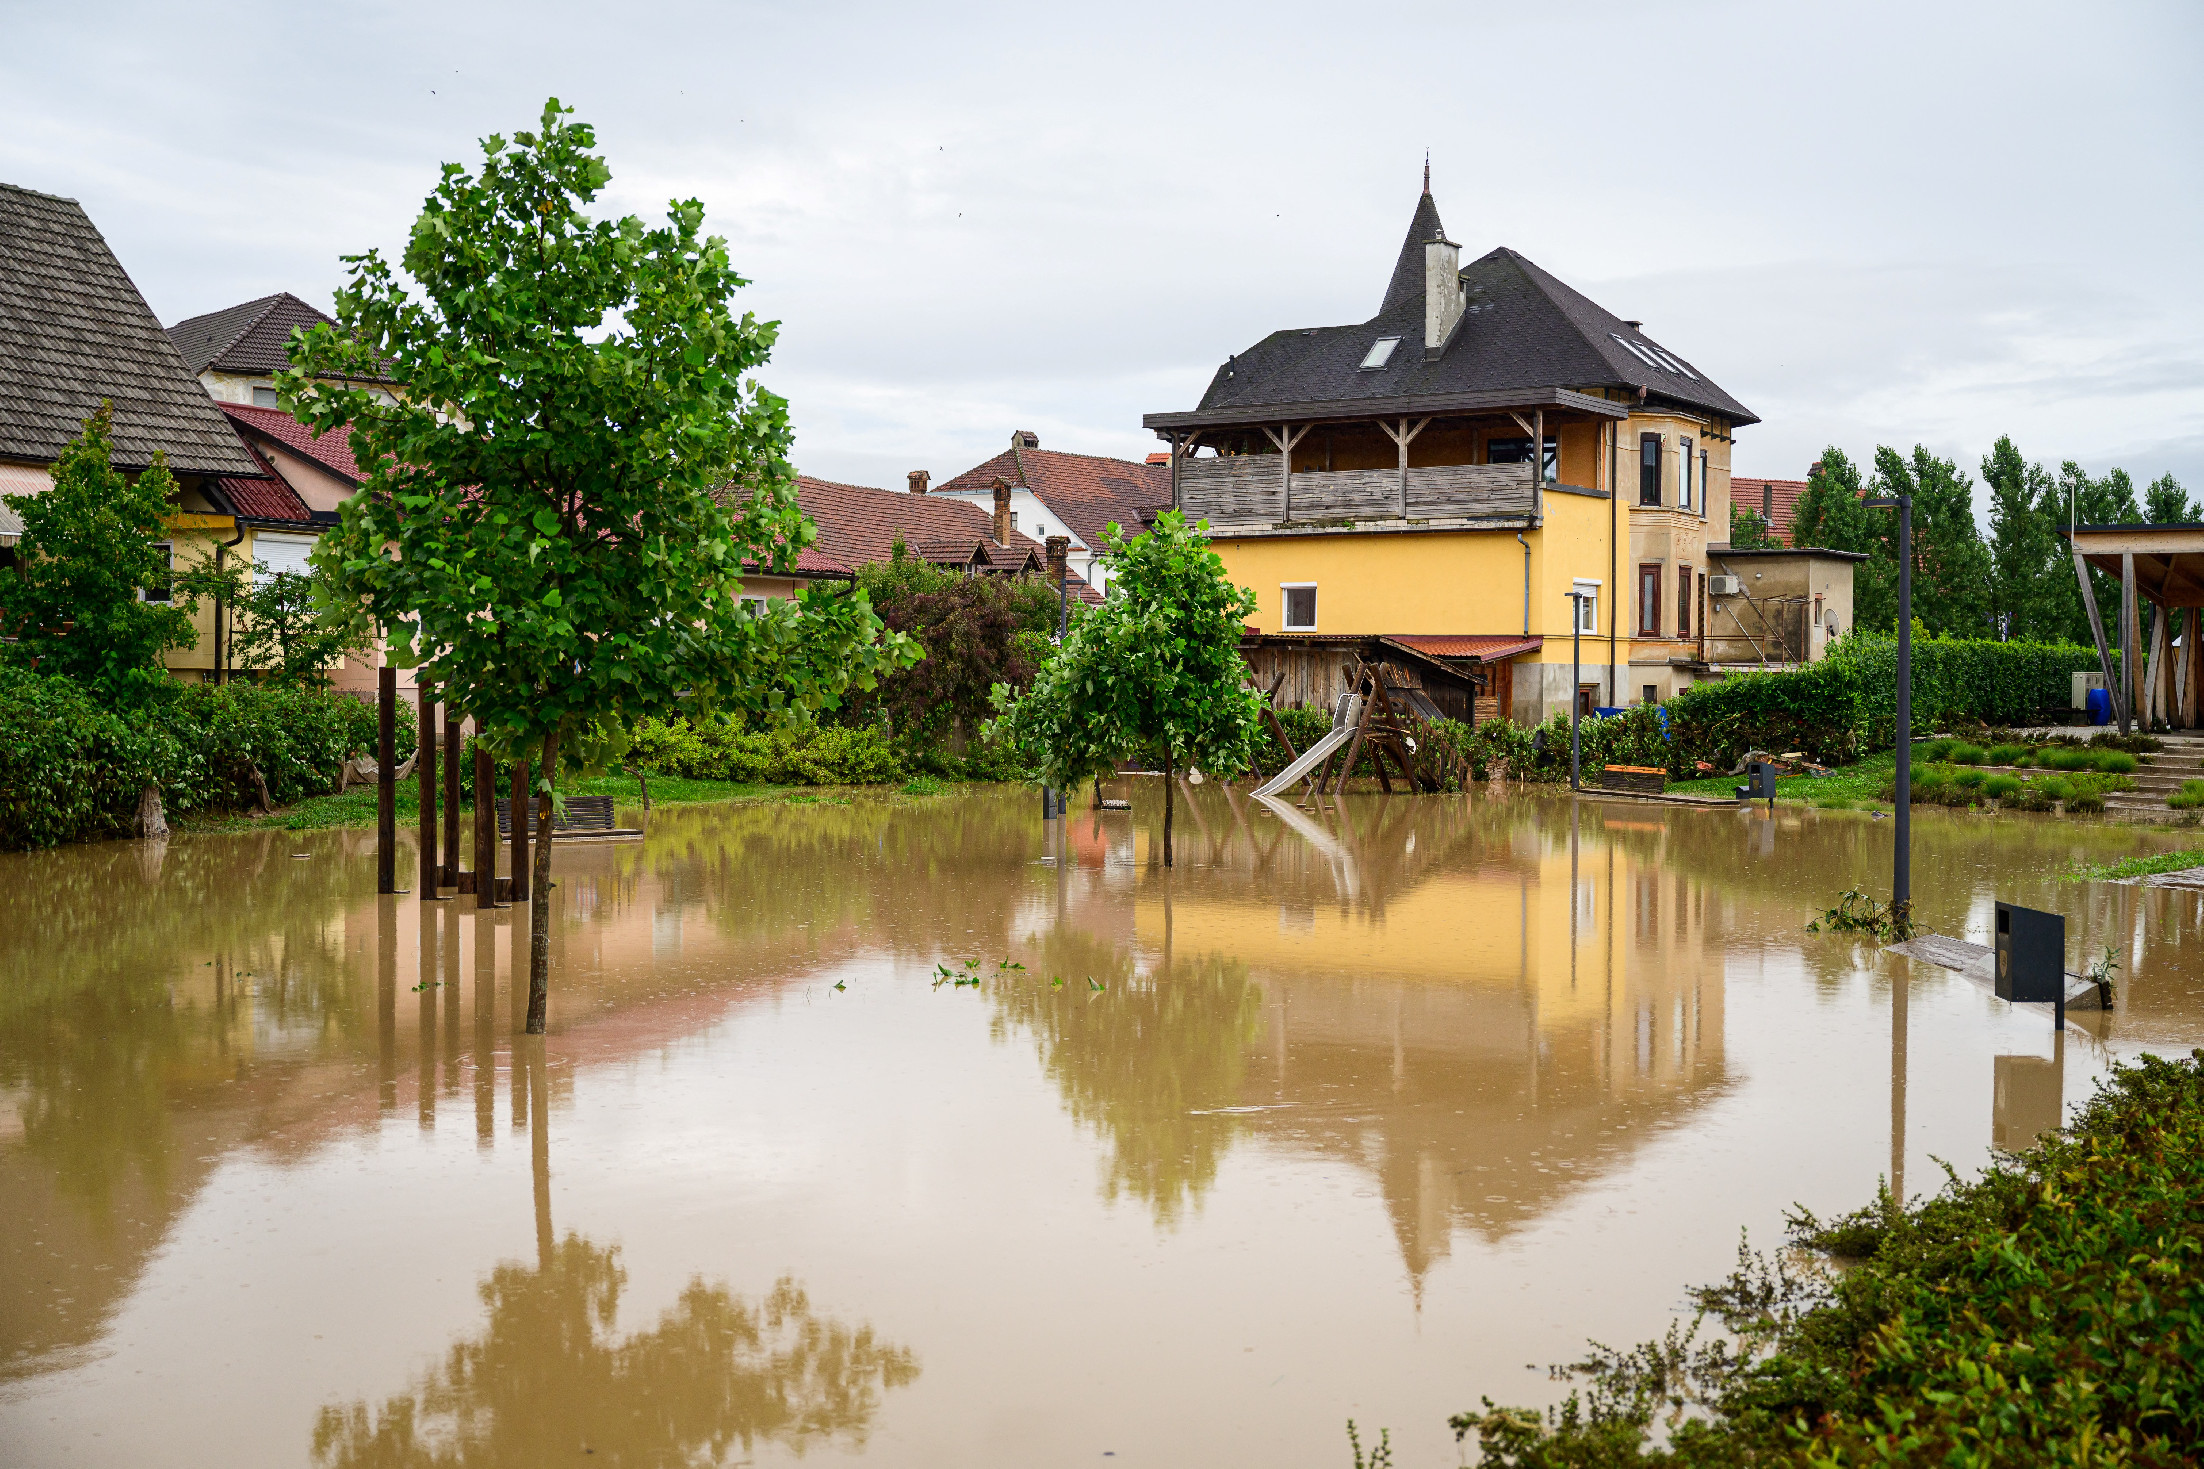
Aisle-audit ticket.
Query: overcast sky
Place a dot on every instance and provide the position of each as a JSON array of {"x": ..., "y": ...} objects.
[{"x": 1872, "y": 224}]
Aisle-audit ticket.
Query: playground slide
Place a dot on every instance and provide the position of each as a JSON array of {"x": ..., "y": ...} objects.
[{"x": 1344, "y": 719}]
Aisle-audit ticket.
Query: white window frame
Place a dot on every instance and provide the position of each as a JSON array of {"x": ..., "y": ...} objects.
[
  {"x": 1587, "y": 611},
  {"x": 1285, "y": 606},
  {"x": 1380, "y": 353}
]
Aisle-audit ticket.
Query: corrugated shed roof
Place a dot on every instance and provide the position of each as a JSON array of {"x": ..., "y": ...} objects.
[
  {"x": 74, "y": 330},
  {"x": 1522, "y": 329},
  {"x": 1085, "y": 491},
  {"x": 331, "y": 451}
]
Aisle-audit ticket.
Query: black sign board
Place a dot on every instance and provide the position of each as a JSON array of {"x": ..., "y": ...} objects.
[
  {"x": 1762, "y": 788},
  {"x": 2031, "y": 956}
]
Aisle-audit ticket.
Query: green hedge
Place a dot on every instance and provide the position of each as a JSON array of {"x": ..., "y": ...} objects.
[
  {"x": 71, "y": 770},
  {"x": 801, "y": 755},
  {"x": 1956, "y": 679}
]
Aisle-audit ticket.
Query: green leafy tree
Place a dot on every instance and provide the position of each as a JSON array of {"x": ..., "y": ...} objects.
[
  {"x": 1831, "y": 513},
  {"x": 538, "y": 528},
  {"x": 289, "y": 625},
  {"x": 1748, "y": 532},
  {"x": 1153, "y": 672},
  {"x": 92, "y": 599},
  {"x": 1951, "y": 565},
  {"x": 2166, "y": 503},
  {"x": 2030, "y": 583}
]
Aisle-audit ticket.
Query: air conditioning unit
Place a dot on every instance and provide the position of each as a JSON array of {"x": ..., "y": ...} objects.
[{"x": 1724, "y": 586}]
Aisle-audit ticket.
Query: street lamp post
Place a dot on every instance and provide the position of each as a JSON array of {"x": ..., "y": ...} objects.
[{"x": 1901, "y": 874}]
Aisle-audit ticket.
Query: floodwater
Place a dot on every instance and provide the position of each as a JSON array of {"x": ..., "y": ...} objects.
[{"x": 1364, "y": 1114}]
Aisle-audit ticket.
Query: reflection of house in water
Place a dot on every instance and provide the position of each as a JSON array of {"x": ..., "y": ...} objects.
[{"x": 1484, "y": 1019}]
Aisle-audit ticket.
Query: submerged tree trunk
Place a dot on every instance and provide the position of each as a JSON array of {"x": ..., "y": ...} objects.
[
  {"x": 152, "y": 820},
  {"x": 539, "y": 895},
  {"x": 1169, "y": 779}
]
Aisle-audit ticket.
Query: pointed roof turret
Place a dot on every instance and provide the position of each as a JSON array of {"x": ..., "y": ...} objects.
[{"x": 1406, "y": 290}]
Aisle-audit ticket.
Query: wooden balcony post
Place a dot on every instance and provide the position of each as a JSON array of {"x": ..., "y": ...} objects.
[
  {"x": 1538, "y": 467},
  {"x": 1402, "y": 437},
  {"x": 1285, "y": 438}
]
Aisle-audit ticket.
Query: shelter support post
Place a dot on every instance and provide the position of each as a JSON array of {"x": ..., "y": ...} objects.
[
  {"x": 2131, "y": 677},
  {"x": 386, "y": 779},
  {"x": 424, "y": 768},
  {"x": 2097, "y": 631},
  {"x": 451, "y": 795},
  {"x": 485, "y": 828},
  {"x": 2193, "y": 647}
]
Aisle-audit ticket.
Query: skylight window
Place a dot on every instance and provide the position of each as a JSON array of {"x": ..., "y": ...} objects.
[
  {"x": 1634, "y": 350},
  {"x": 1381, "y": 352},
  {"x": 1674, "y": 365}
]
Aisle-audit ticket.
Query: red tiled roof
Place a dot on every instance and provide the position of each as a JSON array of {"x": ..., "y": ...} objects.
[
  {"x": 1776, "y": 500},
  {"x": 1490, "y": 647},
  {"x": 858, "y": 524},
  {"x": 1086, "y": 491},
  {"x": 263, "y": 499},
  {"x": 332, "y": 451}
]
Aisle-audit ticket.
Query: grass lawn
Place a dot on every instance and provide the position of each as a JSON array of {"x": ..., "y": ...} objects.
[
  {"x": 356, "y": 807},
  {"x": 2138, "y": 866},
  {"x": 1847, "y": 786}
]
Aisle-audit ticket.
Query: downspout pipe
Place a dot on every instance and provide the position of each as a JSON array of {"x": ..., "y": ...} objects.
[{"x": 221, "y": 554}]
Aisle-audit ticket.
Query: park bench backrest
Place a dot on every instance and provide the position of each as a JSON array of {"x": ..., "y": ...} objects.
[{"x": 582, "y": 814}]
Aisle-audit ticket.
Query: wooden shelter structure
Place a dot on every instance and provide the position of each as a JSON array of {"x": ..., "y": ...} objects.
[{"x": 2164, "y": 565}]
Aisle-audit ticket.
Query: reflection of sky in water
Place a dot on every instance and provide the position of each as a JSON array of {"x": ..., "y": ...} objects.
[{"x": 1352, "y": 1113}]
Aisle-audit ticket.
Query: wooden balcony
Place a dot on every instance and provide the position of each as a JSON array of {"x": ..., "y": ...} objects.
[{"x": 1249, "y": 491}]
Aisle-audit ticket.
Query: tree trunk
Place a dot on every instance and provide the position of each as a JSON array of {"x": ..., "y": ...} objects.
[
  {"x": 1167, "y": 783},
  {"x": 642, "y": 778},
  {"x": 152, "y": 820},
  {"x": 539, "y": 896}
]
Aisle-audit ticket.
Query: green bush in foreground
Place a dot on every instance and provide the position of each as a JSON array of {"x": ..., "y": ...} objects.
[
  {"x": 795, "y": 755},
  {"x": 2050, "y": 1312},
  {"x": 2189, "y": 797}
]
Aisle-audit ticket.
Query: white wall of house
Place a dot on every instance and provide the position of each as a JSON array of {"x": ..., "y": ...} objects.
[{"x": 1029, "y": 517}]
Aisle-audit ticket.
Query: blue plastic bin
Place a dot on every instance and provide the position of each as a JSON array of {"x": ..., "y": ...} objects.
[{"x": 2100, "y": 705}]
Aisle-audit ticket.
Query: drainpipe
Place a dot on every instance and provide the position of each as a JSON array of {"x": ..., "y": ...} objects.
[
  {"x": 1526, "y": 545},
  {"x": 1614, "y": 584},
  {"x": 221, "y": 550}
]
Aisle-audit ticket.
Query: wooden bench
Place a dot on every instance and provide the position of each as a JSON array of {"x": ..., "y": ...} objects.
[
  {"x": 1643, "y": 780},
  {"x": 584, "y": 816}
]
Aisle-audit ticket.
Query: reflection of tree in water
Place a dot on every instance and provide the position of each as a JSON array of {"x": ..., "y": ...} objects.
[
  {"x": 547, "y": 1379},
  {"x": 1146, "y": 1062}
]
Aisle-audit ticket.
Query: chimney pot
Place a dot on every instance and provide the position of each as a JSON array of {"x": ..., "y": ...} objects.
[
  {"x": 919, "y": 480},
  {"x": 1025, "y": 438},
  {"x": 1002, "y": 511}
]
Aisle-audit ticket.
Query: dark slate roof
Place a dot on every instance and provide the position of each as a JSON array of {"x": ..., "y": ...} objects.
[
  {"x": 251, "y": 340},
  {"x": 74, "y": 330},
  {"x": 1523, "y": 330}
]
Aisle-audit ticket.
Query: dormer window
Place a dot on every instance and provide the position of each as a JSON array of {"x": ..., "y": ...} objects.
[{"x": 1381, "y": 352}]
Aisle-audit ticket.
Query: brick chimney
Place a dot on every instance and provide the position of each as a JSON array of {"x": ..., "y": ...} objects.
[
  {"x": 1059, "y": 552},
  {"x": 919, "y": 480},
  {"x": 1002, "y": 511}
]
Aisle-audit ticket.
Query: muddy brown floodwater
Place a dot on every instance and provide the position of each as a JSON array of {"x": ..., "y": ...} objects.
[{"x": 1353, "y": 1115}]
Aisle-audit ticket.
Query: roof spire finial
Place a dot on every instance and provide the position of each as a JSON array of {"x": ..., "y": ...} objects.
[{"x": 1427, "y": 170}]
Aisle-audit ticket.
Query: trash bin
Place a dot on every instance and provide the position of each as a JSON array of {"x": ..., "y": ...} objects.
[
  {"x": 2100, "y": 706},
  {"x": 2031, "y": 955}
]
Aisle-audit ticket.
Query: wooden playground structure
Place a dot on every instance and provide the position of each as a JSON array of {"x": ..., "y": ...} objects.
[{"x": 1377, "y": 714}]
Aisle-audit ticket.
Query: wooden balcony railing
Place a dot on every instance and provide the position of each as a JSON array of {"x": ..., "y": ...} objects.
[{"x": 1250, "y": 490}]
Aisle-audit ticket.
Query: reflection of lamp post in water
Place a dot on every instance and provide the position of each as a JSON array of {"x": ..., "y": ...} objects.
[
  {"x": 1901, "y": 873},
  {"x": 1576, "y": 658}
]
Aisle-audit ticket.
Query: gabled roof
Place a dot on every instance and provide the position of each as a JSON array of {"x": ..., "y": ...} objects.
[
  {"x": 330, "y": 450},
  {"x": 251, "y": 339},
  {"x": 1776, "y": 499},
  {"x": 1085, "y": 491},
  {"x": 860, "y": 524},
  {"x": 74, "y": 330},
  {"x": 1521, "y": 330}
]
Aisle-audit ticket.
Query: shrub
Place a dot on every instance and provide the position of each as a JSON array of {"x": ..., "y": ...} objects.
[
  {"x": 2052, "y": 787},
  {"x": 1935, "y": 750},
  {"x": 2008, "y": 755},
  {"x": 2084, "y": 803},
  {"x": 2001, "y": 787},
  {"x": 2115, "y": 762},
  {"x": 1968, "y": 779},
  {"x": 794, "y": 755},
  {"x": 69, "y": 770},
  {"x": 1968, "y": 754},
  {"x": 1811, "y": 709},
  {"x": 1958, "y": 679},
  {"x": 2065, "y": 759},
  {"x": 1958, "y": 794},
  {"x": 2032, "y": 799}
]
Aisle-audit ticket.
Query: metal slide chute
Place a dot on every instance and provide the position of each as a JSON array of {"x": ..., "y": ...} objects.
[{"x": 1346, "y": 715}]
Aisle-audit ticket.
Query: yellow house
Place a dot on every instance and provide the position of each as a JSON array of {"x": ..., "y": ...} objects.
[{"x": 1380, "y": 480}]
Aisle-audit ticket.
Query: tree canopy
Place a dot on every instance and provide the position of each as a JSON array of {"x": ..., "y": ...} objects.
[
  {"x": 93, "y": 598},
  {"x": 562, "y": 496},
  {"x": 1155, "y": 672}
]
